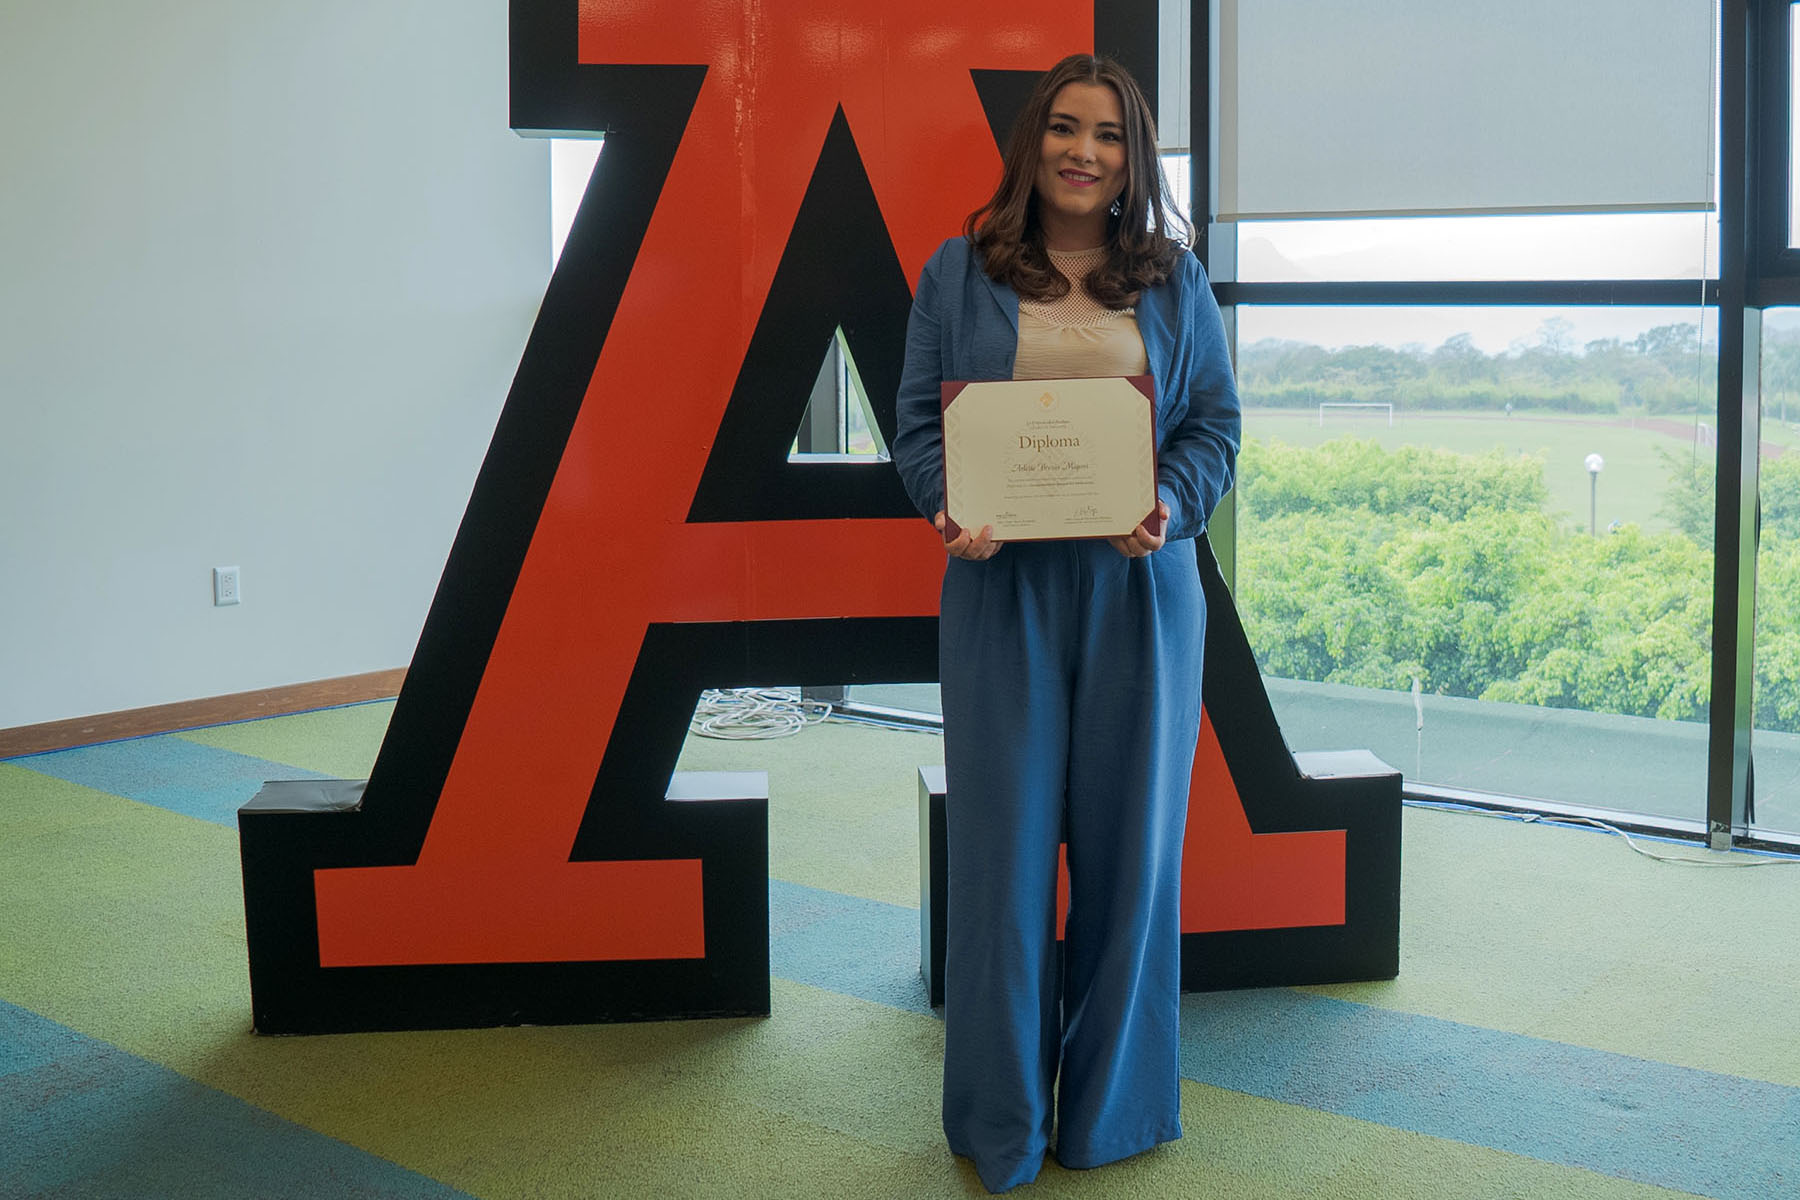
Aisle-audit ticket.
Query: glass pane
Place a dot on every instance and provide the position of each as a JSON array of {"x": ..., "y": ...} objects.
[
  {"x": 1477, "y": 542},
  {"x": 1540, "y": 246},
  {"x": 571, "y": 166},
  {"x": 1176, "y": 174},
  {"x": 1793, "y": 124},
  {"x": 1776, "y": 741},
  {"x": 916, "y": 699}
]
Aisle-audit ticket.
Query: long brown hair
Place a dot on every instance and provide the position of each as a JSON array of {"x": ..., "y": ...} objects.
[{"x": 1143, "y": 242}]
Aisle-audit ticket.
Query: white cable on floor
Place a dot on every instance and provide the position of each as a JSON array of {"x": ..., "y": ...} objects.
[
  {"x": 746, "y": 714},
  {"x": 1738, "y": 858}
]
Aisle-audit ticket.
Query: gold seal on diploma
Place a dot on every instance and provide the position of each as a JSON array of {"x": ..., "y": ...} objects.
[{"x": 1050, "y": 458}]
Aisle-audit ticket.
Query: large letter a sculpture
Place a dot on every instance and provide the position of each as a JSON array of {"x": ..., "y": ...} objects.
[{"x": 771, "y": 173}]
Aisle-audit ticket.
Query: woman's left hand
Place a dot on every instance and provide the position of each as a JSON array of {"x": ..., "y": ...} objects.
[{"x": 1138, "y": 542}]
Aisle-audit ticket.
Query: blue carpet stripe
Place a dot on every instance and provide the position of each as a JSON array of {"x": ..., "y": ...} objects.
[
  {"x": 168, "y": 772},
  {"x": 846, "y": 944},
  {"x": 1633, "y": 1118},
  {"x": 81, "y": 1118},
  {"x": 1698, "y": 1131}
]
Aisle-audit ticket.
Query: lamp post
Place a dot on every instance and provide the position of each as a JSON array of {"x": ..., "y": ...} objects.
[{"x": 1594, "y": 463}]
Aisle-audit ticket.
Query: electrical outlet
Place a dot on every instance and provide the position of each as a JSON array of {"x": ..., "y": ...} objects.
[{"x": 225, "y": 586}]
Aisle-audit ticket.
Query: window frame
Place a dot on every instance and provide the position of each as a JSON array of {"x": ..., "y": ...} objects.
[{"x": 1757, "y": 268}]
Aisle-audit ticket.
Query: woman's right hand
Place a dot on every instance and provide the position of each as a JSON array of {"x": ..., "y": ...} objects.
[{"x": 975, "y": 549}]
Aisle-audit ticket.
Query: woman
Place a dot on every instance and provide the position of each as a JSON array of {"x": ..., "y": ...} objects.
[{"x": 1070, "y": 669}]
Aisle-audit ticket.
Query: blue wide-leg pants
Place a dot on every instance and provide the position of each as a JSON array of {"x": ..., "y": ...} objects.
[{"x": 1071, "y": 688}]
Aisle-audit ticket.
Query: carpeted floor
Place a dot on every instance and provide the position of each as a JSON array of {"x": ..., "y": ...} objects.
[{"x": 1571, "y": 1020}]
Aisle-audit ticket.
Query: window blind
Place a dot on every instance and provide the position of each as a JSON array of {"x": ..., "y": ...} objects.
[{"x": 1339, "y": 108}]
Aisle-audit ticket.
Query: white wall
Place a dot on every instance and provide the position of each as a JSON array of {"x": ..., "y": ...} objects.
[{"x": 265, "y": 274}]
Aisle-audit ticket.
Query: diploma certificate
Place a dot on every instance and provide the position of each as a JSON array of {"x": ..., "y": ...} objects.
[{"x": 1050, "y": 458}]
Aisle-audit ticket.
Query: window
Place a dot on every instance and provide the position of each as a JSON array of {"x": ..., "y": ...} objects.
[
  {"x": 1681, "y": 245},
  {"x": 1776, "y": 741},
  {"x": 1793, "y": 114},
  {"x": 1477, "y": 542},
  {"x": 572, "y": 163}
]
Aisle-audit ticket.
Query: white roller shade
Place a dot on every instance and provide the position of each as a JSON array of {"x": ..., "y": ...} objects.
[
  {"x": 1174, "y": 34},
  {"x": 1334, "y": 108}
]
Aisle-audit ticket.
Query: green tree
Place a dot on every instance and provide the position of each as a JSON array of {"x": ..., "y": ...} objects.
[
  {"x": 1676, "y": 346},
  {"x": 1779, "y": 495},
  {"x": 1369, "y": 567},
  {"x": 1636, "y": 617},
  {"x": 1351, "y": 472},
  {"x": 1687, "y": 502},
  {"x": 1777, "y": 695},
  {"x": 1781, "y": 373},
  {"x": 1459, "y": 362}
]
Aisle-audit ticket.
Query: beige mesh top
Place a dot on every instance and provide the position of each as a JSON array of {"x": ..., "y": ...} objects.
[{"x": 1077, "y": 336}]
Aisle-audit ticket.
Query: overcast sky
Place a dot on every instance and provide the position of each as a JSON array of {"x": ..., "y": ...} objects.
[{"x": 1586, "y": 246}]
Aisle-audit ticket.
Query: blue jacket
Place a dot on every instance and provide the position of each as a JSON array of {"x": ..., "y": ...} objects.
[{"x": 966, "y": 326}]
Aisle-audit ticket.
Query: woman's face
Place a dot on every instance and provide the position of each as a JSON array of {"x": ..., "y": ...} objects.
[{"x": 1083, "y": 166}]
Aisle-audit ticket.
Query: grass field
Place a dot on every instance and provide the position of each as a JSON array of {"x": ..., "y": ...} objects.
[{"x": 1631, "y": 484}]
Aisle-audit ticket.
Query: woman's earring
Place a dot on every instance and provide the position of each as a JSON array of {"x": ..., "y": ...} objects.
[{"x": 1114, "y": 210}]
